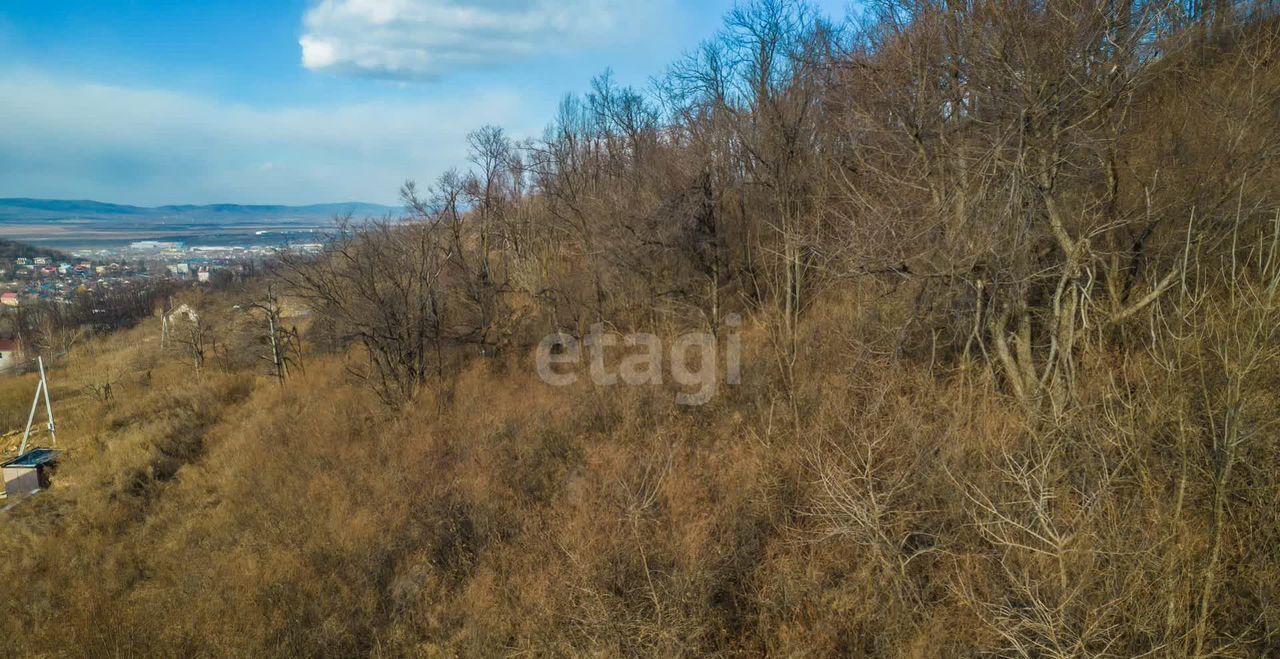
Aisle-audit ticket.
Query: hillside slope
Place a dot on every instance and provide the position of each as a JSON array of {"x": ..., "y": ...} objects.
[
  {"x": 1006, "y": 289},
  {"x": 217, "y": 514},
  {"x": 12, "y": 249}
]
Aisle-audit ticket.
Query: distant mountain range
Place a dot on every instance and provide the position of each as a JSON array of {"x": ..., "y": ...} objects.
[
  {"x": 77, "y": 226},
  {"x": 26, "y": 211}
]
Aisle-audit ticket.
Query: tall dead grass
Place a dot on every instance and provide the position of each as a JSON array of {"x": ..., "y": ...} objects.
[{"x": 918, "y": 512}]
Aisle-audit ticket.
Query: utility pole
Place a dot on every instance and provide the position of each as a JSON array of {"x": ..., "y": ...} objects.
[{"x": 41, "y": 388}]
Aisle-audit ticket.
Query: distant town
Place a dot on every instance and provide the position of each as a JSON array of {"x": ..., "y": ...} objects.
[
  {"x": 26, "y": 280},
  {"x": 65, "y": 251}
]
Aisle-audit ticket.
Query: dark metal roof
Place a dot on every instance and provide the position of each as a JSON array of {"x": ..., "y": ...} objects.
[{"x": 34, "y": 458}]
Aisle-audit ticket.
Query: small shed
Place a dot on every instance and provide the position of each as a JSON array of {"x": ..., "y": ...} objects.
[{"x": 29, "y": 471}]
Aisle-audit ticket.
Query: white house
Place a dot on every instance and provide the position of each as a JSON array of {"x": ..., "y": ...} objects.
[{"x": 10, "y": 354}]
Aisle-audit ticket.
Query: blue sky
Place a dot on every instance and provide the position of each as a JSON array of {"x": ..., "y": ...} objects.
[{"x": 299, "y": 101}]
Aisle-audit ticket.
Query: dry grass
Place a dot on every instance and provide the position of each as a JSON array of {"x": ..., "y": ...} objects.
[
  {"x": 916, "y": 514},
  {"x": 883, "y": 483}
]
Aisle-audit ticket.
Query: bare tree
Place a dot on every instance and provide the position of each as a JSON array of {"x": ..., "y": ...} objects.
[
  {"x": 191, "y": 330},
  {"x": 282, "y": 345},
  {"x": 380, "y": 284}
]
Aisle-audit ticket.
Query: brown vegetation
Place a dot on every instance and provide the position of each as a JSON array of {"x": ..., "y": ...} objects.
[{"x": 1010, "y": 375}]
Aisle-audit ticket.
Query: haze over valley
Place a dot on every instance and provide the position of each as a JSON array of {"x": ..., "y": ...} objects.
[{"x": 92, "y": 226}]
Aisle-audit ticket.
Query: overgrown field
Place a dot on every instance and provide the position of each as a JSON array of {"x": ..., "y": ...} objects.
[
  {"x": 909, "y": 512},
  {"x": 1008, "y": 277}
]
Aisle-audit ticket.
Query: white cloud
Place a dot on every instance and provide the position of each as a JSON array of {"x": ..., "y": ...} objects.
[
  {"x": 406, "y": 39},
  {"x": 69, "y": 139}
]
